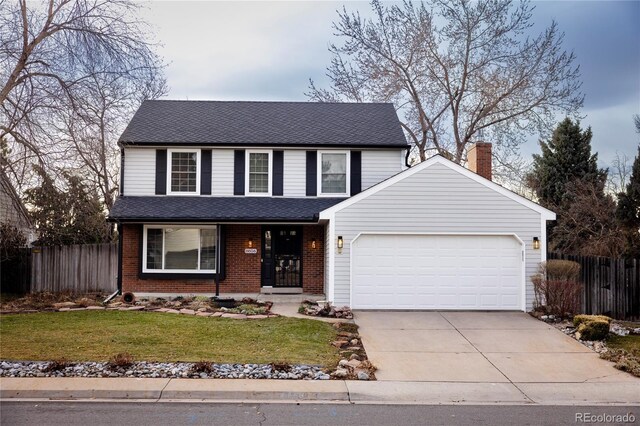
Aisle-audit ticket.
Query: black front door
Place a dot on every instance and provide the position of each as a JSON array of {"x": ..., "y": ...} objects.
[{"x": 282, "y": 256}]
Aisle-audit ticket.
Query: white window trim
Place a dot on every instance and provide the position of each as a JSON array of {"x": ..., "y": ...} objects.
[
  {"x": 145, "y": 270},
  {"x": 170, "y": 153},
  {"x": 247, "y": 165},
  {"x": 319, "y": 177}
]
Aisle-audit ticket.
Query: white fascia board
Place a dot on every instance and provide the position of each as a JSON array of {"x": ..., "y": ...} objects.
[{"x": 545, "y": 213}]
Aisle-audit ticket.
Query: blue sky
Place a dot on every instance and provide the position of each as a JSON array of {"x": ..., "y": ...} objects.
[{"x": 269, "y": 50}]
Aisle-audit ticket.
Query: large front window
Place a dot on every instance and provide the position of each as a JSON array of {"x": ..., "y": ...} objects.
[
  {"x": 180, "y": 249},
  {"x": 333, "y": 173},
  {"x": 183, "y": 172},
  {"x": 259, "y": 173}
]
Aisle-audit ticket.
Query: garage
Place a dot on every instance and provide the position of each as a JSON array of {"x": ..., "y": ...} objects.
[{"x": 435, "y": 271}]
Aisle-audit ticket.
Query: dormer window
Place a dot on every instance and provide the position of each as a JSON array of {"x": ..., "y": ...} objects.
[
  {"x": 184, "y": 169},
  {"x": 259, "y": 173},
  {"x": 333, "y": 169}
]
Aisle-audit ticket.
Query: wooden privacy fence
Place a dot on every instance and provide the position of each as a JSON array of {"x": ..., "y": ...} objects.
[
  {"x": 76, "y": 268},
  {"x": 611, "y": 286}
]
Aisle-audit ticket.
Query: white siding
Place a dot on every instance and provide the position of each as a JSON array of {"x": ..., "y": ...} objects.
[
  {"x": 222, "y": 173},
  {"x": 439, "y": 200},
  {"x": 139, "y": 171},
  {"x": 380, "y": 165},
  {"x": 295, "y": 177}
]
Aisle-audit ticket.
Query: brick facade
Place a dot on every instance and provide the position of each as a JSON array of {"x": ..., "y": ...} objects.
[
  {"x": 479, "y": 159},
  {"x": 243, "y": 270}
]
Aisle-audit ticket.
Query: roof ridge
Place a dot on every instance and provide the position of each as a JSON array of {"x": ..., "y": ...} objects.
[{"x": 267, "y": 102}]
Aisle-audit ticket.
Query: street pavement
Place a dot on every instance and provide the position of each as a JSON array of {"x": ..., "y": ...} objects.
[{"x": 214, "y": 414}]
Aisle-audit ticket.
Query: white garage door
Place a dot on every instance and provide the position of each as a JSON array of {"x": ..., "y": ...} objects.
[{"x": 436, "y": 272}]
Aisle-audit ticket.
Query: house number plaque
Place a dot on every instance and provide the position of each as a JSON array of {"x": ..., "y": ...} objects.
[{"x": 250, "y": 251}]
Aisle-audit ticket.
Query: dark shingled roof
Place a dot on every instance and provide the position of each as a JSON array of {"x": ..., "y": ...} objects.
[
  {"x": 168, "y": 122},
  {"x": 219, "y": 209}
]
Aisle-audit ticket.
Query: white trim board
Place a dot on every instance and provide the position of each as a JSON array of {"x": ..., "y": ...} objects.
[{"x": 330, "y": 212}]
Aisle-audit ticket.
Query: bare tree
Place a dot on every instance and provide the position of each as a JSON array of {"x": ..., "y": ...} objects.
[
  {"x": 457, "y": 71},
  {"x": 619, "y": 173},
  {"x": 67, "y": 68}
]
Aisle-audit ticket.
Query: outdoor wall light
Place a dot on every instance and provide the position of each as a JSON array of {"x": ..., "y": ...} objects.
[
  {"x": 340, "y": 242},
  {"x": 536, "y": 243},
  {"x": 250, "y": 242},
  {"x": 313, "y": 243}
]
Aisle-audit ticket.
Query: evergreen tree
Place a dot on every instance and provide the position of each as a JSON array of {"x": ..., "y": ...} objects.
[
  {"x": 565, "y": 158},
  {"x": 74, "y": 215},
  {"x": 628, "y": 212}
]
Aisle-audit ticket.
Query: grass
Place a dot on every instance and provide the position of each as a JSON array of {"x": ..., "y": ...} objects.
[
  {"x": 98, "y": 336},
  {"x": 628, "y": 343},
  {"x": 625, "y": 352}
]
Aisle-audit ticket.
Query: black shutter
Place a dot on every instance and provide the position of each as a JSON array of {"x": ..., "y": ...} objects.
[
  {"x": 121, "y": 189},
  {"x": 205, "y": 172},
  {"x": 356, "y": 172},
  {"x": 222, "y": 252},
  {"x": 238, "y": 172},
  {"x": 278, "y": 172},
  {"x": 312, "y": 173},
  {"x": 161, "y": 171}
]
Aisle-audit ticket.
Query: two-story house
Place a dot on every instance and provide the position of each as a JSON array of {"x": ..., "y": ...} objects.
[{"x": 249, "y": 197}]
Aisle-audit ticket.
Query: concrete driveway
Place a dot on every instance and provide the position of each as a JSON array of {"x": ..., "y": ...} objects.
[{"x": 481, "y": 347}]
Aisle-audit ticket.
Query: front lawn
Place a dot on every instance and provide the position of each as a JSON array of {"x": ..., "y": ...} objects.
[
  {"x": 148, "y": 336},
  {"x": 625, "y": 352}
]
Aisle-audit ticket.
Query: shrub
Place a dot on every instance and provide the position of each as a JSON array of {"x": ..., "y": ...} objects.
[
  {"x": 201, "y": 367},
  {"x": 557, "y": 289},
  {"x": 580, "y": 319},
  {"x": 123, "y": 359},
  {"x": 57, "y": 365},
  {"x": 201, "y": 299},
  {"x": 594, "y": 330}
]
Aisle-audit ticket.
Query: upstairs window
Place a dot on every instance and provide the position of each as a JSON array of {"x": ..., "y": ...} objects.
[
  {"x": 184, "y": 168},
  {"x": 334, "y": 173},
  {"x": 259, "y": 173},
  {"x": 180, "y": 249}
]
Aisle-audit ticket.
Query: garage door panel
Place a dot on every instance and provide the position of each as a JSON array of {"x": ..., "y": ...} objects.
[{"x": 436, "y": 272}]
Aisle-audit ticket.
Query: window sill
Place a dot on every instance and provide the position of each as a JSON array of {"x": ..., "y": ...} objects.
[{"x": 177, "y": 275}]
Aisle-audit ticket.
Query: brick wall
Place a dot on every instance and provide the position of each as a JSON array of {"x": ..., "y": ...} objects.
[
  {"x": 479, "y": 159},
  {"x": 242, "y": 270},
  {"x": 313, "y": 259}
]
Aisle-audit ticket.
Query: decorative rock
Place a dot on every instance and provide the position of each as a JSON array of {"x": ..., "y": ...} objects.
[
  {"x": 78, "y": 309},
  {"x": 340, "y": 343},
  {"x": 202, "y": 309},
  {"x": 343, "y": 363},
  {"x": 354, "y": 342},
  {"x": 64, "y": 309},
  {"x": 204, "y": 314},
  {"x": 362, "y": 375},
  {"x": 236, "y": 316},
  {"x": 257, "y": 316},
  {"x": 64, "y": 305},
  {"x": 217, "y": 314},
  {"x": 187, "y": 311},
  {"x": 354, "y": 356},
  {"x": 340, "y": 373},
  {"x": 135, "y": 308},
  {"x": 172, "y": 311},
  {"x": 354, "y": 363},
  {"x": 95, "y": 308}
]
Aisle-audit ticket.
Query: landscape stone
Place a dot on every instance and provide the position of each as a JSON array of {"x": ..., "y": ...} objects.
[
  {"x": 187, "y": 311},
  {"x": 204, "y": 314},
  {"x": 235, "y": 316},
  {"x": 95, "y": 308},
  {"x": 217, "y": 314}
]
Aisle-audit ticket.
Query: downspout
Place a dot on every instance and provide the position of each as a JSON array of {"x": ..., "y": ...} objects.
[
  {"x": 119, "y": 279},
  {"x": 406, "y": 158},
  {"x": 217, "y": 276}
]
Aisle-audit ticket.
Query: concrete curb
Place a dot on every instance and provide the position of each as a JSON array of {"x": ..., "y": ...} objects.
[
  {"x": 333, "y": 391},
  {"x": 174, "y": 389}
]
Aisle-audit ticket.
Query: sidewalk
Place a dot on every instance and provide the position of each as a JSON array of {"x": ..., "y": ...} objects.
[{"x": 355, "y": 392}]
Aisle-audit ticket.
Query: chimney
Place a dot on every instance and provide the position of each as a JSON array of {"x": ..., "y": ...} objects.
[{"x": 479, "y": 159}]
